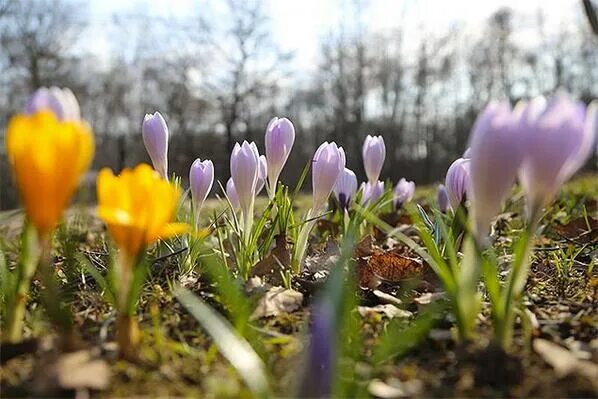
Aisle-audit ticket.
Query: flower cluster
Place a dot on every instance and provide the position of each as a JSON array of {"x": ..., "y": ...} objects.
[{"x": 541, "y": 143}]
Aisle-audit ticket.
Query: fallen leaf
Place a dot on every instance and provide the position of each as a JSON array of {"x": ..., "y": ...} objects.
[
  {"x": 277, "y": 261},
  {"x": 387, "y": 298},
  {"x": 365, "y": 275},
  {"x": 324, "y": 261},
  {"x": 365, "y": 247},
  {"x": 429, "y": 297},
  {"x": 78, "y": 370},
  {"x": 390, "y": 266},
  {"x": 564, "y": 362},
  {"x": 390, "y": 311},
  {"x": 276, "y": 301},
  {"x": 394, "y": 388}
]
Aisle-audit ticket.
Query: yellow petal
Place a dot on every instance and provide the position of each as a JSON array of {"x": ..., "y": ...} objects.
[{"x": 48, "y": 158}]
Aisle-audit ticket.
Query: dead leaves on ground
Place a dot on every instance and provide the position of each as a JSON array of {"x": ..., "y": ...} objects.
[
  {"x": 579, "y": 230},
  {"x": 375, "y": 265},
  {"x": 271, "y": 267},
  {"x": 564, "y": 361}
]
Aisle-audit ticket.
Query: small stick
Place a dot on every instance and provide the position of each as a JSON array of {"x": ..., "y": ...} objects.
[{"x": 161, "y": 258}]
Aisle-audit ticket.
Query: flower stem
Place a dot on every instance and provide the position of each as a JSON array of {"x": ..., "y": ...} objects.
[
  {"x": 27, "y": 266},
  {"x": 301, "y": 245},
  {"x": 53, "y": 298},
  {"x": 515, "y": 285},
  {"x": 127, "y": 336}
]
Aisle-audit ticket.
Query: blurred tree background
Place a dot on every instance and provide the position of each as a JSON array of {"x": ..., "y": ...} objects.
[{"x": 218, "y": 75}]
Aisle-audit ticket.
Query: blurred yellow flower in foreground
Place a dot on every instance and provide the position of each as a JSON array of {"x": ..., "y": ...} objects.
[
  {"x": 138, "y": 207},
  {"x": 48, "y": 158}
]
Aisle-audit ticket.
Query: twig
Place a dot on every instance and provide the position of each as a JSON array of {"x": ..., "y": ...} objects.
[
  {"x": 591, "y": 14},
  {"x": 164, "y": 257}
]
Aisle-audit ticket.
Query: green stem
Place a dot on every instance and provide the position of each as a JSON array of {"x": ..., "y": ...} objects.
[
  {"x": 127, "y": 336},
  {"x": 26, "y": 268},
  {"x": 52, "y": 297},
  {"x": 515, "y": 284},
  {"x": 467, "y": 297},
  {"x": 301, "y": 245}
]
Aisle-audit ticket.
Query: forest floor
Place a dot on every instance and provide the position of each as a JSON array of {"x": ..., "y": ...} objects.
[{"x": 555, "y": 349}]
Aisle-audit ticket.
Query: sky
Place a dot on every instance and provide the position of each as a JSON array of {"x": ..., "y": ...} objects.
[{"x": 298, "y": 25}]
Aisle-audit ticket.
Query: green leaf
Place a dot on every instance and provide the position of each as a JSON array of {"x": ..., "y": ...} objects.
[
  {"x": 233, "y": 347},
  {"x": 140, "y": 272},
  {"x": 397, "y": 341},
  {"x": 87, "y": 266}
]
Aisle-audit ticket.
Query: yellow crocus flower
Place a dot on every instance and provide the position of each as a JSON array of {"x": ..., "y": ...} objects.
[
  {"x": 48, "y": 157},
  {"x": 138, "y": 207}
]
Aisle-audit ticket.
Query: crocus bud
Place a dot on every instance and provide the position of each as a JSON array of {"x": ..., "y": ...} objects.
[
  {"x": 155, "y": 138},
  {"x": 373, "y": 152},
  {"x": 279, "y": 140},
  {"x": 403, "y": 192},
  {"x": 244, "y": 168},
  {"x": 345, "y": 187},
  {"x": 262, "y": 174},
  {"x": 495, "y": 158},
  {"x": 201, "y": 178},
  {"x": 231, "y": 193},
  {"x": 457, "y": 181},
  {"x": 61, "y": 102},
  {"x": 371, "y": 192},
  {"x": 327, "y": 164},
  {"x": 467, "y": 153},
  {"x": 558, "y": 139},
  {"x": 442, "y": 198}
]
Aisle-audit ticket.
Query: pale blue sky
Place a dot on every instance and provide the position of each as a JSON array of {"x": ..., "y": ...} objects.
[{"x": 298, "y": 25}]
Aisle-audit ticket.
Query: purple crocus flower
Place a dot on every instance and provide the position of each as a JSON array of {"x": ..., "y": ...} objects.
[
  {"x": 155, "y": 138},
  {"x": 345, "y": 187},
  {"x": 279, "y": 140},
  {"x": 319, "y": 367},
  {"x": 201, "y": 178},
  {"x": 374, "y": 152},
  {"x": 262, "y": 175},
  {"x": 558, "y": 139},
  {"x": 457, "y": 182},
  {"x": 327, "y": 164},
  {"x": 496, "y": 152},
  {"x": 244, "y": 169},
  {"x": 231, "y": 193},
  {"x": 442, "y": 198},
  {"x": 61, "y": 102},
  {"x": 371, "y": 192},
  {"x": 403, "y": 192}
]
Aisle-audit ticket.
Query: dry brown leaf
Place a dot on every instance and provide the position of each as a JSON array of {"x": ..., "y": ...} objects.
[
  {"x": 390, "y": 266},
  {"x": 277, "y": 261},
  {"x": 365, "y": 247}
]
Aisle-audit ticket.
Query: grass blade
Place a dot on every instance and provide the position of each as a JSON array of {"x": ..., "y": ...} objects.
[{"x": 234, "y": 348}]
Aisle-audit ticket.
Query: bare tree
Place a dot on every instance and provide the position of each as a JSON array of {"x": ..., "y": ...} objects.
[
  {"x": 36, "y": 37},
  {"x": 248, "y": 65}
]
